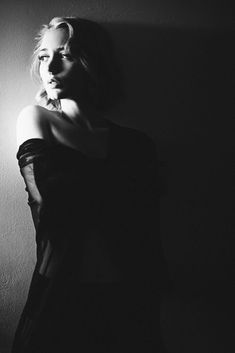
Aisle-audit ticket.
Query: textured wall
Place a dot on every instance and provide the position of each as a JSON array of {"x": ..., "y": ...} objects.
[{"x": 176, "y": 63}]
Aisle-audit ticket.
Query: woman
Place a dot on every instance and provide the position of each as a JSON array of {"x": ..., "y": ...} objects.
[{"x": 93, "y": 193}]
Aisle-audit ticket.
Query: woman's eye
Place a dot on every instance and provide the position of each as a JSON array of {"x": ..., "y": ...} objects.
[
  {"x": 66, "y": 56},
  {"x": 43, "y": 57}
]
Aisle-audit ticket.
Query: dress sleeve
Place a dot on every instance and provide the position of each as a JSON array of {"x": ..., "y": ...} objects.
[{"x": 27, "y": 154}]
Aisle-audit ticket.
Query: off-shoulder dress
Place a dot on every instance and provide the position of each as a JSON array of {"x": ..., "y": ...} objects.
[{"x": 99, "y": 259}]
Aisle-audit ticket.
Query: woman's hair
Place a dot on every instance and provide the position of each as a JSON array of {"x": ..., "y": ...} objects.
[{"x": 91, "y": 45}]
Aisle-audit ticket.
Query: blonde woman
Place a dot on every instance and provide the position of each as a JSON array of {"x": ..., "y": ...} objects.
[{"x": 93, "y": 194}]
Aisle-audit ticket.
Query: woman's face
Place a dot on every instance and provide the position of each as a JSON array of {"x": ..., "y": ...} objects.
[{"x": 58, "y": 70}]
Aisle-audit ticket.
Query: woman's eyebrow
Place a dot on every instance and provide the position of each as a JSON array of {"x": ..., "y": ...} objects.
[{"x": 57, "y": 49}]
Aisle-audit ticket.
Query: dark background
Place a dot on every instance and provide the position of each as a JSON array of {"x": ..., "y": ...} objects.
[
  {"x": 188, "y": 110},
  {"x": 178, "y": 67}
]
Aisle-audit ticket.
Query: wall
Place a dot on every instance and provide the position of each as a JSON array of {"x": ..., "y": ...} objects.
[{"x": 177, "y": 64}]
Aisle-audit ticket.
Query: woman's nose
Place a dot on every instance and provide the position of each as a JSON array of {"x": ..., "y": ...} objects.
[{"x": 54, "y": 65}]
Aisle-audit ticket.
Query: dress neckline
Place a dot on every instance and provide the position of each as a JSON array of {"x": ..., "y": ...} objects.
[{"x": 111, "y": 126}]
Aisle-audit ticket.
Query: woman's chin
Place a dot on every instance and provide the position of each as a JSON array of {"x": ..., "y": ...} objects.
[{"x": 54, "y": 94}]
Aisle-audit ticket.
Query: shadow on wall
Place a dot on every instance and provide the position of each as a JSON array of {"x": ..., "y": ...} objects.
[
  {"x": 179, "y": 90},
  {"x": 172, "y": 75}
]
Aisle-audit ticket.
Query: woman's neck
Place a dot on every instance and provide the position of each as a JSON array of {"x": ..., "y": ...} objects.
[{"x": 76, "y": 115}]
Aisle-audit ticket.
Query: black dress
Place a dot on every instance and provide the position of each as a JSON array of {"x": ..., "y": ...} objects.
[{"x": 99, "y": 261}]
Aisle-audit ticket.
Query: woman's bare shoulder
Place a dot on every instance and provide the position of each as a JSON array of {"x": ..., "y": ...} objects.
[{"x": 32, "y": 122}]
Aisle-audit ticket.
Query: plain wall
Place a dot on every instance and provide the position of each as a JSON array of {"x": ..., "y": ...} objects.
[{"x": 176, "y": 60}]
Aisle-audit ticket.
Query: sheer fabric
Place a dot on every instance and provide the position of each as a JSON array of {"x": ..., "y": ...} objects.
[{"x": 99, "y": 260}]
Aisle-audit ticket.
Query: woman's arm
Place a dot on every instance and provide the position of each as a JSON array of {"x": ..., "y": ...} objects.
[
  {"x": 31, "y": 124},
  {"x": 34, "y": 197}
]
